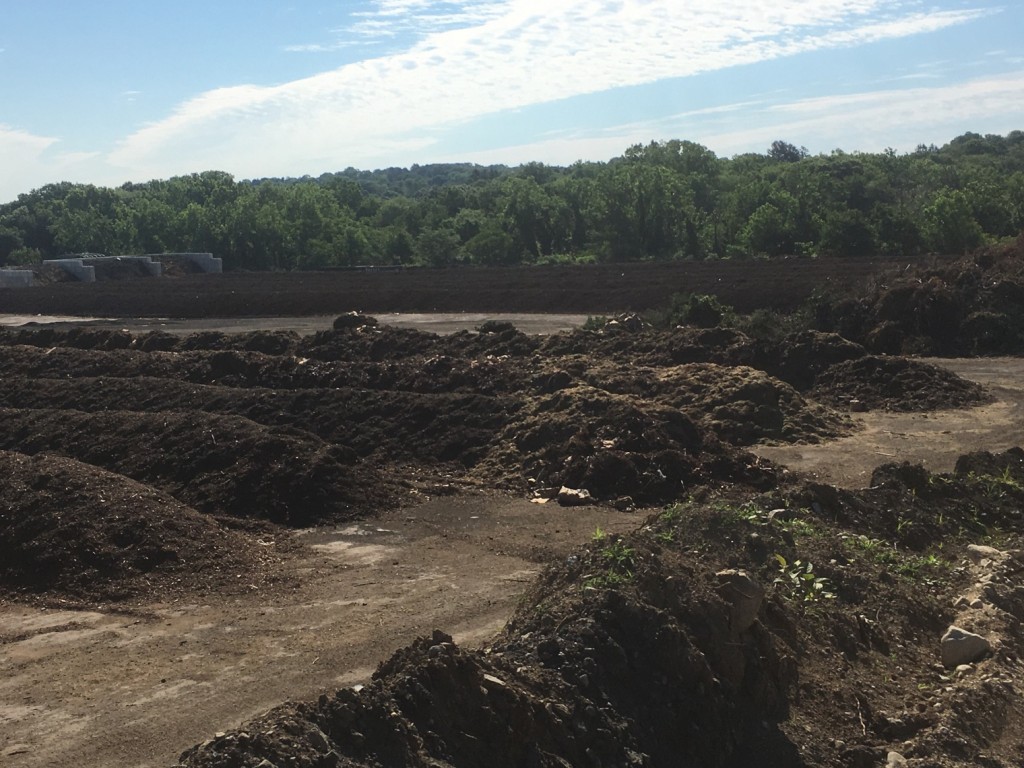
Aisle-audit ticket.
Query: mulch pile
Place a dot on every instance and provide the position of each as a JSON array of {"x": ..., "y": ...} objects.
[
  {"x": 318, "y": 430},
  {"x": 80, "y": 531}
]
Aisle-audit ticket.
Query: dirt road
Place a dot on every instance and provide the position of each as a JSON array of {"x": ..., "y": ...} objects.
[
  {"x": 933, "y": 439},
  {"x": 137, "y": 686}
]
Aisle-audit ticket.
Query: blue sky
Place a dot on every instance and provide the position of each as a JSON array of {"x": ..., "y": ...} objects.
[{"x": 129, "y": 91}]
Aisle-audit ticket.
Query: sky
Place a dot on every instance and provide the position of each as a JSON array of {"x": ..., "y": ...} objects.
[{"x": 124, "y": 90}]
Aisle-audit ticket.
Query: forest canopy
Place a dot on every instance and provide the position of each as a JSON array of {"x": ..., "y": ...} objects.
[{"x": 664, "y": 200}]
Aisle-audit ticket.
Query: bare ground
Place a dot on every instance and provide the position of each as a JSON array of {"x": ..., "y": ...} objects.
[{"x": 935, "y": 439}]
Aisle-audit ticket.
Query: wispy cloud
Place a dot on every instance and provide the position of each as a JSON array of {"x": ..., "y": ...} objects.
[
  {"x": 414, "y": 19},
  {"x": 20, "y": 157},
  {"x": 873, "y": 121},
  {"x": 475, "y": 59},
  {"x": 900, "y": 118}
]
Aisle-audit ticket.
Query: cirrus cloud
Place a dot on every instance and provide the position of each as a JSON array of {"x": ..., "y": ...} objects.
[{"x": 505, "y": 56}]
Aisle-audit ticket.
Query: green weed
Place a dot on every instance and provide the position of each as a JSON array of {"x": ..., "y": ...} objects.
[{"x": 800, "y": 581}]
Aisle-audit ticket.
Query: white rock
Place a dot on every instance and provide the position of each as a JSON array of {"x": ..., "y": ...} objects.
[
  {"x": 895, "y": 760},
  {"x": 963, "y": 670},
  {"x": 959, "y": 646},
  {"x": 744, "y": 594}
]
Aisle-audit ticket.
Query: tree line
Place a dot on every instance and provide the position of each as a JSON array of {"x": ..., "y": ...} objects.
[{"x": 664, "y": 200}]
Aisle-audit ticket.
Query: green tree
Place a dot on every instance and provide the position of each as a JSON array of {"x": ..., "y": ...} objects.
[
  {"x": 437, "y": 248},
  {"x": 847, "y": 233},
  {"x": 950, "y": 223}
]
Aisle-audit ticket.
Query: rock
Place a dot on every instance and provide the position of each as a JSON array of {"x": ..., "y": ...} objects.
[
  {"x": 963, "y": 670},
  {"x": 574, "y": 497},
  {"x": 959, "y": 646},
  {"x": 632, "y": 322},
  {"x": 895, "y": 760},
  {"x": 744, "y": 594},
  {"x": 979, "y": 552}
]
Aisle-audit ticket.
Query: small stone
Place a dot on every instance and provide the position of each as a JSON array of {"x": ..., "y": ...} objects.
[
  {"x": 495, "y": 681},
  {"x": 958, "y": 646},
  {"x": 895, "y": 760},
  {"x": 977, "y": 603},
  {"x": 961, "y": 602}
]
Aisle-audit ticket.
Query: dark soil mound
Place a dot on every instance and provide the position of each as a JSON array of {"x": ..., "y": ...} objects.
[
  {"x": 217, "y": 464},
  {"x": 614, "y": 446},
  {"x": 80, "y": 531},
  {"x": 402, "y": 426},
  {"x": 757, "y": 631},
  {"x": 1006, "y": 467},
  {"x": 590, "y": 288},
  {"x": 634, "y": 416},
  {"x": 973, "y": 306},
  {"x": 896, "y": 384},
  {"x": 800, "y": 358},
  {"x": 744, "y": 406}
]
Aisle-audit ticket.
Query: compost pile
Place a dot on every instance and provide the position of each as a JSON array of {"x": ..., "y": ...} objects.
[
  {"x": 94, "y": 535},
  {"x": 272, "y": 427}
]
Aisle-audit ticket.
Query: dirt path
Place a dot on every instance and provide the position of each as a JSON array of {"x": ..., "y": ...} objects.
[
  {"x": 135, "y": 687},
  {"x": 101, "y": 688},
  {"x": 934, "y": 439}
]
